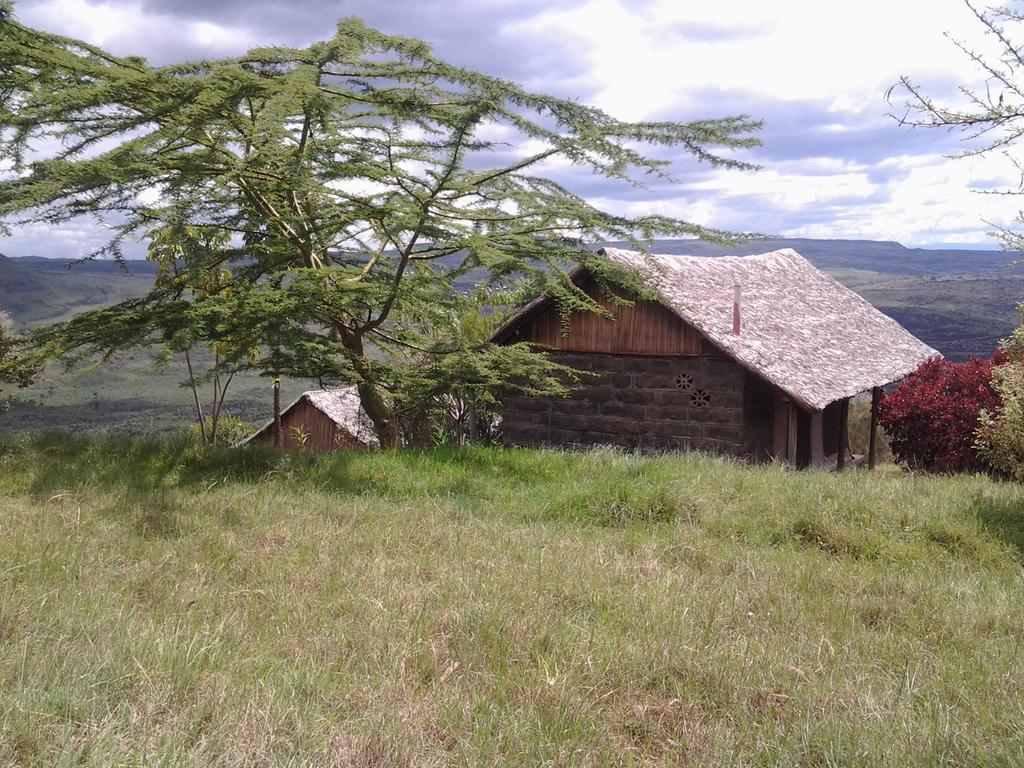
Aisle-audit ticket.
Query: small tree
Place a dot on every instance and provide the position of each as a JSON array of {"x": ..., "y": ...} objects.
[
  {"x": 450, "y": 391},
  {"x": 190, "y": 263},
  {"x": 7, "y": 340},
  {"x": 357, "y": 181},
  {"x": 15, "y": 366},
  {"x": 932, "y": 417}
]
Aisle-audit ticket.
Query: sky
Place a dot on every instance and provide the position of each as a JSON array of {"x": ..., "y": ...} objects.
[{"x": 835, "y": 163}]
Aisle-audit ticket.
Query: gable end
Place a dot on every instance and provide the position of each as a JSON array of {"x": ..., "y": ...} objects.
[{"x": 645, "y": 328}]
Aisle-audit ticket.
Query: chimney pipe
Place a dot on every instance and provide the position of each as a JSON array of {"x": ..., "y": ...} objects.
[{"x": 737, "y": 295}]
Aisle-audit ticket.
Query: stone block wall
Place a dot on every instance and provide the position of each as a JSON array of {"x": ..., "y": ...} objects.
[
  {"x": 758, "y": 418},
  {"x": 649, "y": 404}
]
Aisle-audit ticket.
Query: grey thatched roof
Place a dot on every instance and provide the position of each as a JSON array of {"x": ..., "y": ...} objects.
[
  {"x": 341, "y": 405},
  {"x": 801, "y": 330}
]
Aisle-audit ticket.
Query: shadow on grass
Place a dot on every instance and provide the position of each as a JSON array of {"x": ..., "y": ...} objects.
[
  {"x": 52, "y": 463},
  {"x": 1004, "y": 519}
]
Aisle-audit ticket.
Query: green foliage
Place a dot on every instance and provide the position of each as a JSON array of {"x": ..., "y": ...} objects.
[
  {"x": 16, "y": 367},
  {"x": 321, "y": 202},
  {"x": 299, "y": 435},
  {"x": 231, "y": 430},
  {"x": 7, "y": 340},
  {"x": 1000, "y": 435},
  {"x": 450, "y": 390}
]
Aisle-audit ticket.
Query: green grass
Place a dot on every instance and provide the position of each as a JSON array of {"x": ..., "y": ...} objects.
[{"x": 160, "y": 606}]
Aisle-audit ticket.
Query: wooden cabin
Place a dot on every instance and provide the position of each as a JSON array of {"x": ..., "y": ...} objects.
[
  {"x": 321, "y": 420},
  {"x": 755, "y": 357}
]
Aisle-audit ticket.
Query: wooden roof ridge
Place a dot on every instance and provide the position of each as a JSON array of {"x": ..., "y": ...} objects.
[{"x": 800, "y": 329}]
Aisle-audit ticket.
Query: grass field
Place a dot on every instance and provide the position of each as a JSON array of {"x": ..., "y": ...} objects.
[{"x": 160, "y": 606}]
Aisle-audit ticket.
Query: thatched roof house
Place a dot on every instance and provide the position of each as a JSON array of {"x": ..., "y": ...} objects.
[
  {"x": 755, "y": 356},
  {"x": 321, "y": 420}
]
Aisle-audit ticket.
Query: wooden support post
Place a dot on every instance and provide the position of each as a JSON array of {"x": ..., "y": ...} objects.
[
  {"x": 817, "y": 439},
  {"x": 277, "y": 413},
  {"x": 793, "y": 434},
  {"x": 876, "y": 398},
  {"x": 781, "y": 429},
  {"x": 844, "y": 412}
]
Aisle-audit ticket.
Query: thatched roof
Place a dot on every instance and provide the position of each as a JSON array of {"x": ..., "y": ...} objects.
[
  {"x": 341, "y": 405},
  {"x": 800, "y": 330}
]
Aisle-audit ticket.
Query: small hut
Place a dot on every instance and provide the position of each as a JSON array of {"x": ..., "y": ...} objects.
[
  {"x": 751, "y": 356},
  {"x": 321, "y": 420}
]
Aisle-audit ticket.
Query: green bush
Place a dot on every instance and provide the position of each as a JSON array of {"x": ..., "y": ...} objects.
[
  {"x": 231, "y": 430},
  {"x": 999, "y": 438},
  {"x": 1000, "y": 435}
]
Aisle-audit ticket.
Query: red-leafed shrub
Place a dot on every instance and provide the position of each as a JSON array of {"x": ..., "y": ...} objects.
[{"x": 931, "y": 417}]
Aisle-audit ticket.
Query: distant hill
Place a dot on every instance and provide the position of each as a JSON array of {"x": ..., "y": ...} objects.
[
  {"x": 126, "y": 396},
  {"x": 35, "y": 289},
  {"x": 17, "y": 279}
]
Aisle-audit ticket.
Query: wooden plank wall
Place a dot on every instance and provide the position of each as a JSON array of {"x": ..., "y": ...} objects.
[
  {"x": 646, "y": 328},
  {"x": 318, "y": 428}
]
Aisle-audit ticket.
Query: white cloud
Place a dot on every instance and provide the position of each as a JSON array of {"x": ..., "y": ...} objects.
[
  {"x": 118, "y": 25},
  {"x": 666, "y": 57},
  {"x": 644, "y": 59},
  {"x": 848, "y": 171},
  {"x": 97, "y": 23},
  {"x": 927, "y": 201}
]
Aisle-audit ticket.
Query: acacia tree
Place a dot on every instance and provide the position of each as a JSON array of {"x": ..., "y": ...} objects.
[
  {"x": 357, "y": 179},
  {"x": 183, "y": 255}
]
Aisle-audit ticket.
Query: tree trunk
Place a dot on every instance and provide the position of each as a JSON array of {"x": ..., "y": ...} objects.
[
  {"x": 844, "y": 439},
  {"x": 474, "y": 424},
  {"x": 375, "y": 406},
  {"x": 200, "y": 418},
  {"x": 380, "y": 414},
  {"x": 277, "y": 413},
  {"x": 220, "y": 404},
  {"x": 216, "y": 395},
  {"x": 876, "y": 397}
]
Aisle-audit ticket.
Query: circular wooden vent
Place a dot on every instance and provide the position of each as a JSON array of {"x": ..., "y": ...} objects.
[{"x": 684, "y": 381}]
